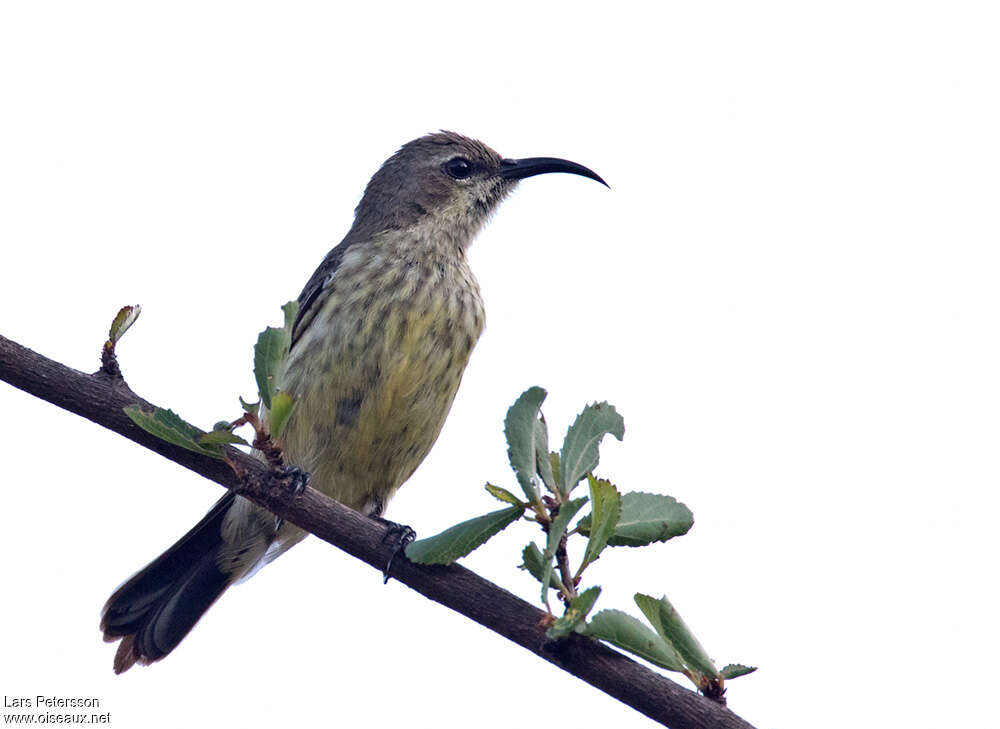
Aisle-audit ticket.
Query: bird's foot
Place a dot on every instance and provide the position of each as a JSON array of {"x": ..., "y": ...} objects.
[
  {"x": 289, "y": 478},
  {"x": 402, "y": 535}
]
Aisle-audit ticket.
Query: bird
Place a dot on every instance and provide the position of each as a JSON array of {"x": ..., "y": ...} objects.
[{"x": 383, "y": 332}]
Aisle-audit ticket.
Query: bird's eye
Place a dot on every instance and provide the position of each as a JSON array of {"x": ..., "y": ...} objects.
[{"x": 458, "y": 168}]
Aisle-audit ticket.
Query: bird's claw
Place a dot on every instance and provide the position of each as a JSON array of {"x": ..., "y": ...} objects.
[
  {"x": 290, "y": 478},
  {"x": 403, "y": 536}
]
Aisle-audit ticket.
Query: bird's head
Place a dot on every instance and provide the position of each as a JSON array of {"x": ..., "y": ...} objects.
[{"x": 448, "y": 185}]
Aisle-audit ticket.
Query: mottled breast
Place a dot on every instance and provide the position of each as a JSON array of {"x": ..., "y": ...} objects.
[{"x": 376, "y": 370}]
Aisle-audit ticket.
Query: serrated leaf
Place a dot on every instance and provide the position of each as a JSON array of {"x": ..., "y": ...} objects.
[
  {"x": 606, "y": 504},
  {"x": 631, "y": 634},
  {"x": 167, "y": 425},
  {"x": 522, "y": 444},
  {"x": 532, "y": 561},
  {"x": 646, "y": 518},
  {"x": 580, "y": 453},
  {"x": 542, "y": 461},
  {"x": 459, "y": 540},
  {"x": 667, "y": 622},
  {"x": 282, "y": 405},
  {"x": 504, "y": 495},
  {"x": 268, "y": 355},
  {"x": 575, "y": 614},
  {"x": 735, "y": 670},
  {"x": 556, "y": 531},
  {"x": 124, "y": 319},
  {"x": 220, "y": 436}
]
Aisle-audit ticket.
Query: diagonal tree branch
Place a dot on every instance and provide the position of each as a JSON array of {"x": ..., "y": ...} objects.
[{"x": 100, "y": 398}]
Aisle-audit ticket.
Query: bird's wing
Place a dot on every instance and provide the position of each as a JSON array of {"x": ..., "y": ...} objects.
[{"x": 320, "y": 279}]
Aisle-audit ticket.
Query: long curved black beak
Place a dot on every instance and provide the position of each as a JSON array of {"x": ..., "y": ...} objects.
[{"x": 518, "y": 169}]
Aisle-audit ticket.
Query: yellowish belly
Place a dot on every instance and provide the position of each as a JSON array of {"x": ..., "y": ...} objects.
[{"x": 372, "y": 387}]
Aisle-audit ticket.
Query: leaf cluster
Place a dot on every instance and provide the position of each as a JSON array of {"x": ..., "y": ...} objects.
[{"x": 548, "y": 480}]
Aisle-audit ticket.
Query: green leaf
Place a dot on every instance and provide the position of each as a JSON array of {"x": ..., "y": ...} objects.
[
  {"x": 268, "y": 356},
  {"x": 522, "y": 439},
  {"x": 672, "y": 629},
  {"x": 606, "y": 504},
  {"x": 167, "y": 425},
  {"x": 646, "y": 518},
  {"x": 220, "y": 436},
  {"x": 631, "y": 634},
  {"x": 543, "y": 464},
  {"x": 735, "y": 670},
  {"x": 533, "y": 561},
  {"x": 291, "y": 310},
  {"x": 249, "y": 407},
  {"x": 575, "y": 614},
  {"x": 556, "y": 531},
  {"x": 504, "y": 495},
  {"x": 459, "y": 540},
  {"x": 580, "y": 448},
  {"x": 125, "y": 318},
  {"x": 556, "y": 470},
  {"x": 281, "y": 408}
]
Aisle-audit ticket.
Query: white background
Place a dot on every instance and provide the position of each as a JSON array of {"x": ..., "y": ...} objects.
[{"x": 790, "y": 293}]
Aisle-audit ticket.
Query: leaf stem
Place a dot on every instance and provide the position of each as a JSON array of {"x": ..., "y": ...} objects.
[
  {"x": 542, "y": 514},
  {"x": 568, "y": 581}
]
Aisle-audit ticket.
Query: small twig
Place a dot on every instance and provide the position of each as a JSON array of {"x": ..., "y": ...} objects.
[
  {"x": 262, "y": 441},
  {"x": 715, "y": 690},
  {"x": 109, "y": 361},
  {"x": 562, "y": 559},
  {"x": 273, "y": 454}
]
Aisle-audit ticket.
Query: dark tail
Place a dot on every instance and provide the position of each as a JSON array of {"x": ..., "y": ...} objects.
[{"x": 154, "y": 610}]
